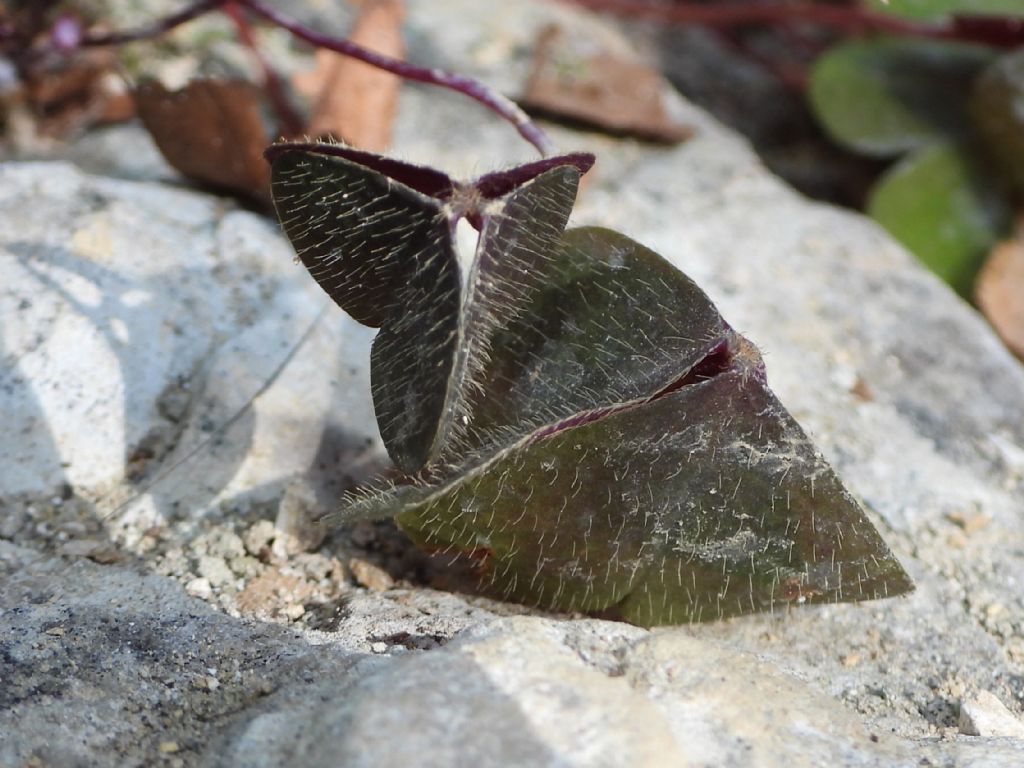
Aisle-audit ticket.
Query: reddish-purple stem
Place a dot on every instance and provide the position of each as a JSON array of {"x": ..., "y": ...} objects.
[
  {"x": 476, "y": 90},
  {"x": 155, "y": 29},
  {"x": 997, "y": 31},
  {"x": 291, "y": 122},
  {"x": 840, "y": 17},
  {"x": 467, "y": 86},
  {"x": 789, "y": 75}
]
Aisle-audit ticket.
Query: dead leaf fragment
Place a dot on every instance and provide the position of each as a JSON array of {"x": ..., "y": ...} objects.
[
  {"x": 999, "y": 292},
  {"x": 862, "y": 390},
  {"x": 67, "y": 96},
  {"x": 373, "y": 577},
  {"x": 352, "y": 101},
  {"x": 969, "y": 523},
  {"x": 212, "y": 131},
  {"x": 571, "y": 78}
]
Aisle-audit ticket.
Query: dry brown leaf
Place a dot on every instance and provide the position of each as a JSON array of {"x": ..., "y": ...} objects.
[
  {"x": 999, "y": 292},
  {"x": 69, "y": 95},
  {"x": 602, "y": 88},
  {"x": 353, "y": 101},
  {"x": 212, "y": 131}
]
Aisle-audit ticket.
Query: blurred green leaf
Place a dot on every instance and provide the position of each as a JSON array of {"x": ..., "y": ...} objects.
[
  {"x": 884, "y": 97},
  {"x": 936, "y": 9},
  {"x": 945, "y": 208},
  {"x": 997, "y": 106}
]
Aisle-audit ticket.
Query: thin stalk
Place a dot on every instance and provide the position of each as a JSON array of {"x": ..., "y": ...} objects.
[
  {"x": 291, "y": 122},
  {"x": 157, "y": 28},
  {"x": 467, "y": 86},
  {"x": 850, "y": 19},
  {"x": 474, "y": 89}
]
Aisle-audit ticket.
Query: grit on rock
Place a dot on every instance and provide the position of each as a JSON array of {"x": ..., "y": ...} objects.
[{"x": 178, "y": 403}]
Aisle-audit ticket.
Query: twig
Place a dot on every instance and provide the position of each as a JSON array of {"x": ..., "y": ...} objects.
[
  {"x": 840, "y": 17},
  {"x": 998, "y": 31},
  {"x": 291, "y": 122},
  {"x": 791, "y": 76},
  {"x": 474, "y": 89},
  {"x": 155, "y": 29}
]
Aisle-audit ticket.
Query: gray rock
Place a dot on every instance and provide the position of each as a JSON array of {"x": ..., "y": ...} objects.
[
  {"x": 147, "y": 321},
  {"x": 985, "y": 715},
  {"x": 147, "y": 317},
  {"x": 514, "y": 691},
  {"x": 102, "y": 663}
]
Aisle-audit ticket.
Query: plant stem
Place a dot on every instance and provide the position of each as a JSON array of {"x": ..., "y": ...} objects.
[
  {"x": 474, "y": 89},
  {"x": 847, "y": 18},
  {"x": 291, "y": 122},
  {"x": 467, "y": 86},
  {"x": 155, "y": 29}
]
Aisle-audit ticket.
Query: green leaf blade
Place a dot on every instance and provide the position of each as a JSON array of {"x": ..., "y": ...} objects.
[
  {"x": 934, "y": 10},
  {"x": 884, "y": 97},
  {"x": 945, "y": 209}
]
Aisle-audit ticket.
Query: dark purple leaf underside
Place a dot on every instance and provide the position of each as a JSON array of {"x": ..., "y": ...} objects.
[
  {"x": 374, "y": 238},
  {"x": 500, "y": 183},
  {"x": 384, "y": 253},
  {"x": 426, "y": 181}
]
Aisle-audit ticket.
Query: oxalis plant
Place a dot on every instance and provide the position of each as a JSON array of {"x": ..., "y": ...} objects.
[{"x": 571, "y": 412}]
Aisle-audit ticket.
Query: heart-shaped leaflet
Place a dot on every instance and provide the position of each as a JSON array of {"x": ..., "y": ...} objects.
[
  {"x": 379, "y": 237},
  {"x": 622, "y": 453}
]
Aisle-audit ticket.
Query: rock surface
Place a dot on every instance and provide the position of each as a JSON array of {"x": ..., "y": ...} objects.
[
  {"x": 985, "y": 715},
  {"x": 173, "y": 390}
]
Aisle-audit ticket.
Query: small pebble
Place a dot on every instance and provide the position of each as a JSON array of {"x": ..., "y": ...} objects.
[
  {"x": 259, "y": 537},
  {"x": 219, "y": 542},
  {"x": 379, "y": 647},
  {"x": 216, "y": 570},
  {"x": 969, "y": 523},
  {"x": 296, "y": 530},
  {"x": 168, "y": 747},
  {"x": 97, "y": 550},
  {"x": 200, "y": 588},
  {"x": 369, "y": 575},
  {"x": 319, "y": 567},
  {"x": 205, "y": 683},
  {"x": 985, "y": 715}
]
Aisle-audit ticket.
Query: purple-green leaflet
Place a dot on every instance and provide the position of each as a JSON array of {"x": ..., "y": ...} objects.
[{"x": 572, "y": 411}]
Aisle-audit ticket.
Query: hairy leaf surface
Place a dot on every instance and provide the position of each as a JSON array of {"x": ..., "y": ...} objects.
[{"x": 605, "y": 441}]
